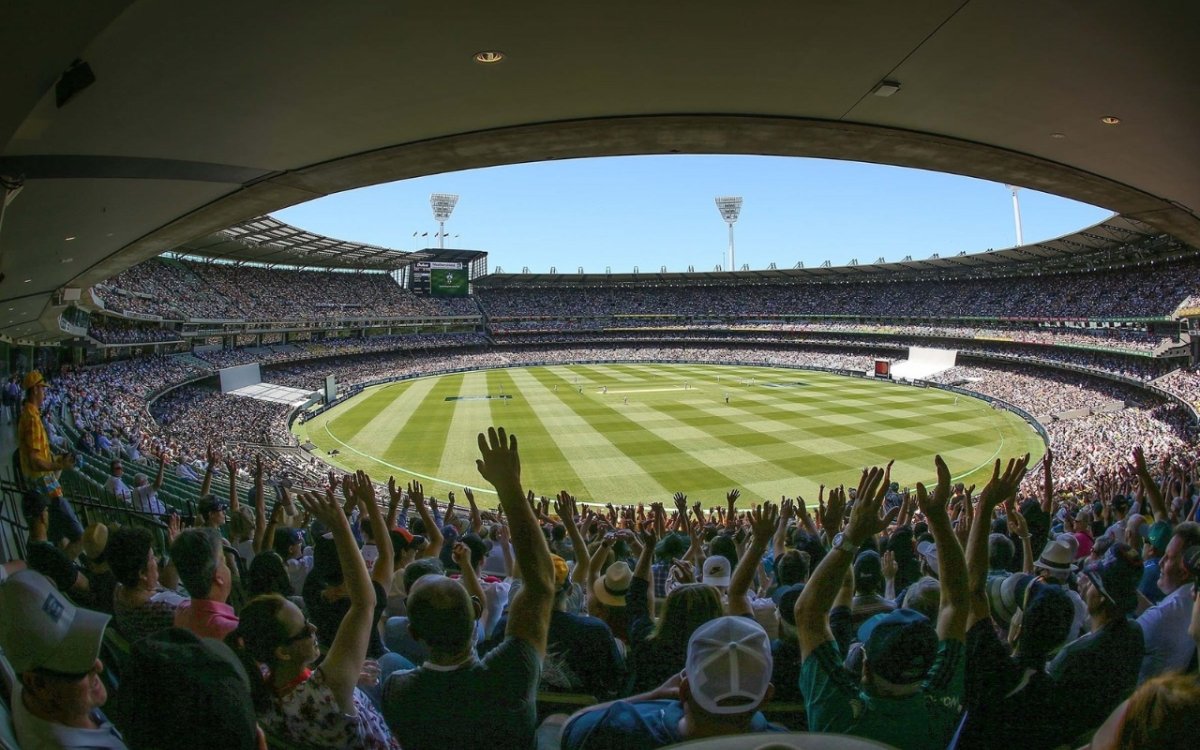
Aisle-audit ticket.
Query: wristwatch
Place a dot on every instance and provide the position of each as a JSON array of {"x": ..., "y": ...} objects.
[{"x": 840, "y": 541}]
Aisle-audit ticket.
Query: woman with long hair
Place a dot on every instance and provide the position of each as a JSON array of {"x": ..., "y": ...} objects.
[
  {"x": 657, "y": 652},
  {"x": 322, "y": 707}
]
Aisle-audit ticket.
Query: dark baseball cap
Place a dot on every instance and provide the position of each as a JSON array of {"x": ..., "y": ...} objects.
[
  {"x": 900, "y": 645},
  {"x": 212, "y": 504}
]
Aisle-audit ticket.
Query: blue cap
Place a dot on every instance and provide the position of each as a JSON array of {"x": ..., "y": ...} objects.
[{"x": 900, "y": 645}]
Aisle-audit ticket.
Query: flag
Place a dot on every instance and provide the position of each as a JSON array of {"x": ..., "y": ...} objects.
[
  {"x": 424, "y": 234},
  {"x": 414, "y": 234}
]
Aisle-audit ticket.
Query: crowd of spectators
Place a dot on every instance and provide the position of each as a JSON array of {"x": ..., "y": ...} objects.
[
  {"x": 184, "y": 290},
  {"x": 1146, "y": 291},
  {"x": 1184, "y": 382},
  {"x": 118, "y": 331},
  {"x": 350, "y": 613},
  {"x": 1121, "y": 339}
]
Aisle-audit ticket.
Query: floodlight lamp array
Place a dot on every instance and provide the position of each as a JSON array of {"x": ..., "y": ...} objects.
[
  {"x": 730, "y": 207},
  {"x": 443, "y": 205}
]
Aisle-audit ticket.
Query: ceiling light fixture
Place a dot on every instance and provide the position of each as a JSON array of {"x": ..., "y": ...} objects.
[
  {"x": 886, "y": 88},
  {"x": 1110, "y": 120},
  {"x": 28, "y": 280},
  {"x": 489, "y": 56},
  {"x": 68, "y": 239},
  {"x": 68, "y": 260},
  {"x": 1058, "y": 136}
]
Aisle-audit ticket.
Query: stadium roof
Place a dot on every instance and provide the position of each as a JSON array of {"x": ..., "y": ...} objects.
[
  {"x": 205, "y": 115},
  {"x": 267, "y": 240},
  {"x": 1082, "y": 249}
]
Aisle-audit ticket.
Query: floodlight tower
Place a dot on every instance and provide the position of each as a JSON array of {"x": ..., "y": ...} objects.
[
  {"x": 1016, "y": 213},
  {"x": 443, "y": 206},
  {"x": 730, "y": 207}
]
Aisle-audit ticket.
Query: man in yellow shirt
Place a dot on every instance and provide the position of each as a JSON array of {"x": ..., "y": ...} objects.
[{"x": 40, "y": 468}]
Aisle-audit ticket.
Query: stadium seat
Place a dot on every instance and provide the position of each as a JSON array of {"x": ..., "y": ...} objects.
[
  {"x": 550, "y": 702},
  {"x": 8, "y": 736}
]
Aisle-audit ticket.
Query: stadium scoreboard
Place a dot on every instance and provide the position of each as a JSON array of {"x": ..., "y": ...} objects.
[{"x": 441, "y": 279}]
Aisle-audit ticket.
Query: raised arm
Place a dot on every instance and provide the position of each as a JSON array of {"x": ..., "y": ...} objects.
[
  {"x": 529, "y": 611},
  {"x": 643, "y": 569},
  {"x": 364, "y": 491},
  {"x": 977, "y": 549},
  {"x": 1048, "y": 481},
  {"x": 814, "y": 603},
  {"x": 213, "y": 457},
  {"x": 394, "y": 497},
  {"x": 162, "y": 467},
  {"x": 564, "y": 506},
  {"x": 461, "y": 554},
  {"x": 786, "y": 511},
  {"x": 432, "y": 531},
  {"x": 763, "y": 521},
  {"x": 234, "y": 503},
  {"x": 952, "y": 569},
  {"x": 1152, "y": 491},
  {"x": 344, "y": 660},
  {"x": 476, "y": 518},
  {"x": 260, "y": 507}
]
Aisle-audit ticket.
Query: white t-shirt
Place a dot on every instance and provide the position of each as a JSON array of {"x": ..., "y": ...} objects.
[{"x": 1169, "y": 648}]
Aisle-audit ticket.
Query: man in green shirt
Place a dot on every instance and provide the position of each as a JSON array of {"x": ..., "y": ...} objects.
[{"x": 913, "y": 674}]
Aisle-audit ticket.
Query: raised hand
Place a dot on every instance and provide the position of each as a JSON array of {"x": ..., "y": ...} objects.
[
  {"x": 865, "y": 518},
  {"x": 564, "y": 506},
  {"x": 323, "y": 507},
  {"x": 416, "y": 493},
  {"x": 462, "y": 557},
  {"x": 936, "y": 505},
  {"x": 763, "y": 521},
  {"x": 732, "y": 496},
  {"x": 501, "y": 463},
  {"x": 173, "y": 528},
  {"x": 890, "y": 566},
  {"x": 1003, "y": 486}
]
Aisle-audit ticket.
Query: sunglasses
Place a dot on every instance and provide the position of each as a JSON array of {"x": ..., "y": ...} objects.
[{"x": 305, "y": 632}]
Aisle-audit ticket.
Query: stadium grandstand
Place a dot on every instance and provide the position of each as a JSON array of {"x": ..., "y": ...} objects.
[{"x": 187, "y": 559}]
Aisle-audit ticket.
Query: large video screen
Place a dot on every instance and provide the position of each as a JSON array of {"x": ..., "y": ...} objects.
[{"x": 446, "y": 282}]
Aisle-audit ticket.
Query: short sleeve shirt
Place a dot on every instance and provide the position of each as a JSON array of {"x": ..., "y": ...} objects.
[
  {"x": 634, "y": 725},
  {"x": 309, "y": 716},
  {"x": 835, "y": 702},
  {"x": 484, "y": 704}
]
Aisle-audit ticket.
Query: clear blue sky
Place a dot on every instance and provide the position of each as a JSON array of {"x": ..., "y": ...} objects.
[{"x": 651, "y": 211}]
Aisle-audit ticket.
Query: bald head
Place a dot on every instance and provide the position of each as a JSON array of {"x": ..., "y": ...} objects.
[{"x": 441, "y": 614}]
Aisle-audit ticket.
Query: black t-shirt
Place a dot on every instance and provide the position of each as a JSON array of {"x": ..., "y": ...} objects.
[
  {"x": 53, "y": 563},
  {"x": 327, "y": 616},
  {"x": 1008, "y": 704},
  {"x": 650, "y": 662},
  {"x": 1099, "y": 670},
  {"x": 485, "y": 704},
  {"x": 785, "y": 674}
]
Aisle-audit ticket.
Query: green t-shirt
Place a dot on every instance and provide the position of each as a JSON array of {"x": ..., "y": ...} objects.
[{"x": 835, "y": 701}]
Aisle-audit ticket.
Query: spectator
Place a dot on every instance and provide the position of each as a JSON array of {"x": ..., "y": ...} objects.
[
  {"x": 141, "y": 604},
  {"x": 1100, "y": 670},
  {"x": 912, "y": 674},
  {"x": 468, "y": 702},
  {"x": 659, "y": 651},
  {"x": 44, "y": 557},
  {"x": 868, "y": 587},
  {"x": 726, "y": 680},
  {"x": 40, "y": 469},
  {"x": 198, "y": 683},
  {"x": 199, "y": 558},
  {"x": 296, "y": 703},
  {"x": 1164, "y": 713},
  {"x": 1169, "y": 648},
  {"x": 54, "y": 648}
]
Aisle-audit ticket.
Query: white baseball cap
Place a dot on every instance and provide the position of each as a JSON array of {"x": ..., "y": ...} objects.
[
  {"x": 42, "y": 629},
  {"x": 729, "y": 665},
  {"x": 717, "y": 570}
]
